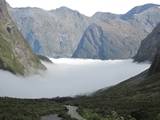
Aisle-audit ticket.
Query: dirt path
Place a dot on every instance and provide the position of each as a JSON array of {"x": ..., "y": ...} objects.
[{"x": 72, "y": 111}]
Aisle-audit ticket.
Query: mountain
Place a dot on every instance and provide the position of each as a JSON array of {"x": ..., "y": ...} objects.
[
  {"x": 137, "y": 97},
  {"x": 123, "y": 34},
  {"x": 138, "y": 10},
  {"x": 92, "y": 44},
  {"x": 61, "y": 32},
  {"x": 54, "y": 33},
  {"x": 121, "y": 39},
  {"x": 149, "y": 46},
  {"x": 15, "y": 55},
  {"x": 155, "y": 67}
]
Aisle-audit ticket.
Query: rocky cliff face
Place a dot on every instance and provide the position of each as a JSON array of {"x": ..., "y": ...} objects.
[
  {"x": 149, "y": 46},
  {"x": 53, "y": 33},
  {"x": 123, "y": 33},
  {"x": 92, "y": 44},
  {"x": 61, "y": 32},
  {"x": 15, "y": 55}
]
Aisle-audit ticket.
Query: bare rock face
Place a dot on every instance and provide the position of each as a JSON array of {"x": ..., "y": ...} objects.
[
  {"x": 149, "y": 46},
  {"x": 61, "y": 32},
  {"x": 15, "y": 55},
  {"x": 123, "y": 33},
  {"x": 53, "y": 33},
  {"x": 92, "y": 44}
]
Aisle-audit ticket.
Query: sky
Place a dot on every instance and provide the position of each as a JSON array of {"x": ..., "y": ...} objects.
[{"x": 87, "y": 7}]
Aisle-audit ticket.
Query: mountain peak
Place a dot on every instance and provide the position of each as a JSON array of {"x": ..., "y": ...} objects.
[
  {"x": 105, "y": 15},
  {"x": 63, "y": 9},
  {"x": 139, "y": 9}
]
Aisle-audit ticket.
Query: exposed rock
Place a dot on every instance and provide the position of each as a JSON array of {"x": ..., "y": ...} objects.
[
  {"x": 53, "y": 33},
  {"x": 44, "y": 58},
  {"x": 149, "y": 46},
  {"x": 92, "y": 44},
  {"x": 15, "y": 55},
  {"x": 58, "y": 33},
  {"x": 122, "y": 36}
]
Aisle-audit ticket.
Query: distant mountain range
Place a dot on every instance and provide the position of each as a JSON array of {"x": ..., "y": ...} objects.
[
  {"x": 67, "y": 33},
  {"x": 15, "y": 54}
]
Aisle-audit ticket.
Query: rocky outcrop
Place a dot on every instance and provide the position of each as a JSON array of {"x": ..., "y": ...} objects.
[
  {"x": 60, "y": 32},
  {"x": 92, "y": 44},
  {"x": 149, "y": 46},
  {"x": 15, "y": 55},
  {"x": 53, "y": 33}
]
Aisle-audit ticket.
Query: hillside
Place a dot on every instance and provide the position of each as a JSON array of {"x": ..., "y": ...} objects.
[
  {"x": 15, "y": 55},
  {"x": 61, "y": 32},
  {"x": 149, "y": 46},
  {"x": 54, "y": 33},
  {"x": 138, "y": 97}
]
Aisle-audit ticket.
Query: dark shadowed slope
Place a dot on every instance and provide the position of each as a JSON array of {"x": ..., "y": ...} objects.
[{"x": 149, "y": 46}]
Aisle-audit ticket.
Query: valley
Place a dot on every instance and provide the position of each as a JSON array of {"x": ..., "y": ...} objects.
[
  {"x": 60, "y": 64},
  {"x": 85, "y": 76}
]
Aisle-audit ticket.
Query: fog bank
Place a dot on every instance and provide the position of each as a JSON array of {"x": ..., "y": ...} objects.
[{"x": 68, "y": 77}]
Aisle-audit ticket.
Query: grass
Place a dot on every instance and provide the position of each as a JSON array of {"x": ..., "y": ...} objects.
[
  {"x": 138, "y": 97},
  {"x": 27, "y": 109},
  {"x": 8, "y": 61}
]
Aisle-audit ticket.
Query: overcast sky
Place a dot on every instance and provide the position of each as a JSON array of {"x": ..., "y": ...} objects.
[{"x": 87, "y": 7}]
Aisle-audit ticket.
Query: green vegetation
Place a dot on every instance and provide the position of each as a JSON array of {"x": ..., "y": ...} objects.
[
  {"x": 89, "y": 115},
  {"x": 8, "y": 60},
  {"x": 138, "y": 97},
  {"x": 15, "y": 54},
  {"x": 23, "y": 109}
]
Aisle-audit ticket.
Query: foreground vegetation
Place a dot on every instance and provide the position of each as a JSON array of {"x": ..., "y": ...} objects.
[
  {"x": 138, "y": 97},
  {"x": 135, "y": 99},
  {"x": 23, "y": 109}
]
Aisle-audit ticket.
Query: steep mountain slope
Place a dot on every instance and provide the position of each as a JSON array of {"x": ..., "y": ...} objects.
[
  {"x": 15, "y": 55},
  {"x": 121, "y": 39},
  {"x": 155, "y": 67},
  {"x": 92, "y": 44},
  {"x": 124, "y": 33},
  {"x": 137, "y": 10},
  {"x": 138, "y": 96},
  {"x": 149, "y": 46},
  {"x": 60, "y": 32},
  {"x": 53, "y": 33}
]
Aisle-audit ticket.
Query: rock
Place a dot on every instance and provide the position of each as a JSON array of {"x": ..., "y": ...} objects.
[
  {"x": 15, "y": 54},
  {"x": 60, "y": 32},
  {"x": 149, "y": 46},
  {"x": 54, "y": 33}
]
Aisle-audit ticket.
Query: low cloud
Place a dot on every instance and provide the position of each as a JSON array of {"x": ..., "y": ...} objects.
[{"x": 68, "y": 77}]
